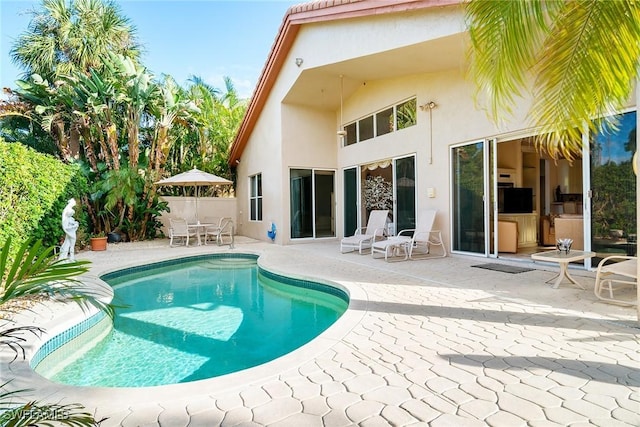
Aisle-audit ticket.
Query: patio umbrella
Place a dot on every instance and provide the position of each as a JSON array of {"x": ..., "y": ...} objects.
[{"x": 194, "y": 178}]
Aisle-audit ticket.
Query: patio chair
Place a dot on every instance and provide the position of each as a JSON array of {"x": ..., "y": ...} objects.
[
  {"x": 363, "y": 238},
  {"x": 210, "y": 227},
  {"x": 615, "y": 272},
  {"x": 179, "y": 229},
  {"x": 413, "y": 243},
  {"x": 223, "y": 227}
]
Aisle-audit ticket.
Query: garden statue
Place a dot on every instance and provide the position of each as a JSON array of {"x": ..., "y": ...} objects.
[{"x": 70, "y": 226}]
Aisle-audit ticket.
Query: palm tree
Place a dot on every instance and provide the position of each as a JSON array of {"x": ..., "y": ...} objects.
[
  {"x": 579, "y": 57},
  {"x": 219, "y": 117},
  {"x": 66, "y": 36}
]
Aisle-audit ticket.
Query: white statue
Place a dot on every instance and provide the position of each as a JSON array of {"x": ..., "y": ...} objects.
[{"x": 70, "y": 226}]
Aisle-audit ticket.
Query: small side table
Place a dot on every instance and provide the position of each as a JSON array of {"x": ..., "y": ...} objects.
[{"x": 563, "y": 259}]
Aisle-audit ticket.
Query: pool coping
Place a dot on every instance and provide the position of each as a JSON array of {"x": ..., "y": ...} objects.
[{"x": 25, "y": 377}]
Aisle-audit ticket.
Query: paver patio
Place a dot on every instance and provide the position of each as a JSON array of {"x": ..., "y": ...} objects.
[{"x": 429, "y": 342}]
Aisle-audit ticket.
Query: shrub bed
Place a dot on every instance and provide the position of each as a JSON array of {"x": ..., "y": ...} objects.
[{"x": 34, "y": 189}]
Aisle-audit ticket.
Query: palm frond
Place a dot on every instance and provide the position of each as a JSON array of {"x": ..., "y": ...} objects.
[
  {"x": 12, "y": 338},
  {"x": 505, "y": 36},
  {"x": 586, "y": 71},
  {"x": 581, "y": 55},
  {"x": 35, "y": 270}
]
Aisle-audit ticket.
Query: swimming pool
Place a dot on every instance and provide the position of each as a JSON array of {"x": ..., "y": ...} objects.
[{"x": 197, "y": 318}]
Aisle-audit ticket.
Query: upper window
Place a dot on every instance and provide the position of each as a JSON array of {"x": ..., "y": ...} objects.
[
  {"x": 255, "y": 197},
  {"x": 384, "y": 122},
  {"x": 352, "y": 134},
  {"x": 365, "y": 130},
  {"x": 406, "y": 114},
  {"x": 398, "y": 117}
]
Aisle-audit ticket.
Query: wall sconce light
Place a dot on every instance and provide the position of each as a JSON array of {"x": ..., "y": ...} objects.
[
  {"x": 428, "y": 106},
  {"x": 299, "y": 61}
]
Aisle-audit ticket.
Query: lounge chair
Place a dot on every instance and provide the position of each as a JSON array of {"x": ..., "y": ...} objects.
[
  {"x": 363, "y": 238},
  {"x": 413, "y": 243},
  {"x": 180, "y": 230},
  {"x": 614, "y": 272}
]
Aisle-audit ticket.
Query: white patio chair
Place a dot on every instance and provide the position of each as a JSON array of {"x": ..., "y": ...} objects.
[
  {"x": 224, "y": 227},
  {"x": 414, "y": 243},
  {"x": 615, "y": 272},
  {"x": 211, "y": 227},
  {"x": 363, "y": 238},
  {"x": 179, "y": 229}
]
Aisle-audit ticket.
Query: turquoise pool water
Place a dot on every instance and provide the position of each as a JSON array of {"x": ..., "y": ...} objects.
[{"x": 199, "y": 319}]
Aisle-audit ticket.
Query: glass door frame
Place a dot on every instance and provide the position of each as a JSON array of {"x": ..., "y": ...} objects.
[
  {"x": 358, "y": 205},
  {"x": 395, "y": 188},
  {"x": 313, "y": 203},
  {"x": 488, "y": 204}
]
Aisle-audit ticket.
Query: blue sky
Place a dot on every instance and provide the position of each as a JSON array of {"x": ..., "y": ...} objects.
[
  {"x": 613, "y": 142},
  {"x": 207, "y": 38}
]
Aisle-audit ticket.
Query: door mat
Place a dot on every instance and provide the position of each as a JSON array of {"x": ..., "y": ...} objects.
[{"x": 503, "y": 268}]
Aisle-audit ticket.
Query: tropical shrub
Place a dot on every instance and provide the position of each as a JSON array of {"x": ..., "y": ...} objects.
[{"x": 34, "y": 189}]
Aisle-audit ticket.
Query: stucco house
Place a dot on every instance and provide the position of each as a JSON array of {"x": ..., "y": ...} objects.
[{"x": 378, "y": 90}]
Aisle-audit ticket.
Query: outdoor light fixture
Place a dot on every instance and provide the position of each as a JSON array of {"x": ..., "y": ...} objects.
[
  {"x": 424, "y": 107},
  {"x": 299, "y": 61},
  {"x": 428, "y": 106}
]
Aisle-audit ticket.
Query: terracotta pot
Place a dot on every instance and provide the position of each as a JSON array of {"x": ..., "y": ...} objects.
[{"x": 98, "y": 243}]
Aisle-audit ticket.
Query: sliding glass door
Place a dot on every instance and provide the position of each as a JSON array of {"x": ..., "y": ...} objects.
[
  {"x": 613, "y": 189},
  {"x": 312, "y": 203},
  {"x": 469, "y": 207},
  {"x": 350, "y": 201},
  {"x": 405, "y": 193}
]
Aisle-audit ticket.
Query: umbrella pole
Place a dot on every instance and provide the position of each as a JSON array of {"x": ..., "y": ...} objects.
[{"x": 197, "y": 217}]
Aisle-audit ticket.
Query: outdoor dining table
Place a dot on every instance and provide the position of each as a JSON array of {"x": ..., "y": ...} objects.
[
  {"x": 562, "y": 258},
  {"x": 200, "y": 227}
]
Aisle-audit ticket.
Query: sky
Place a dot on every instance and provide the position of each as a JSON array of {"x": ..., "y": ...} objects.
[{"x": 206, "y": 38}]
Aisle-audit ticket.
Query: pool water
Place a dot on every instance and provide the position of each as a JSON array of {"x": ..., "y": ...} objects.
[{"x": 200, "y": 319}]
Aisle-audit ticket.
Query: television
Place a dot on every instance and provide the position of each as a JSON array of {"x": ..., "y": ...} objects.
[{"x": 517, "y": 200}]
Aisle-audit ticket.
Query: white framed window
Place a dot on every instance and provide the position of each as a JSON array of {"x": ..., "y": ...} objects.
[
  {"x": 255, "y": 197},
  {"x": 391, "y": 119}
]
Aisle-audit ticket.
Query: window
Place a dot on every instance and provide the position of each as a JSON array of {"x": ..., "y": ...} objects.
[
  {"x": 384, "y": 122},
  {"x": 255, "y": 198},
  {"x": 406, "y": 114},
  {"x": 352, "y": 136},
  {"x": 394, "y": 118},
  {"x": 366, "y": 128}
]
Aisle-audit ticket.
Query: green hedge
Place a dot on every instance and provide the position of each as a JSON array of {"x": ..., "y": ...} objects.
[{"x": 34, "y": 189}]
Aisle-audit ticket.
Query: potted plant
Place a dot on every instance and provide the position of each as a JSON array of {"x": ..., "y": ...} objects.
[{"x": 98, "y": 242}]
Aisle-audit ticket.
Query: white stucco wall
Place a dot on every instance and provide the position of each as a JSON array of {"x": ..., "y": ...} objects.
[{"x": 292, "y": 132}]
